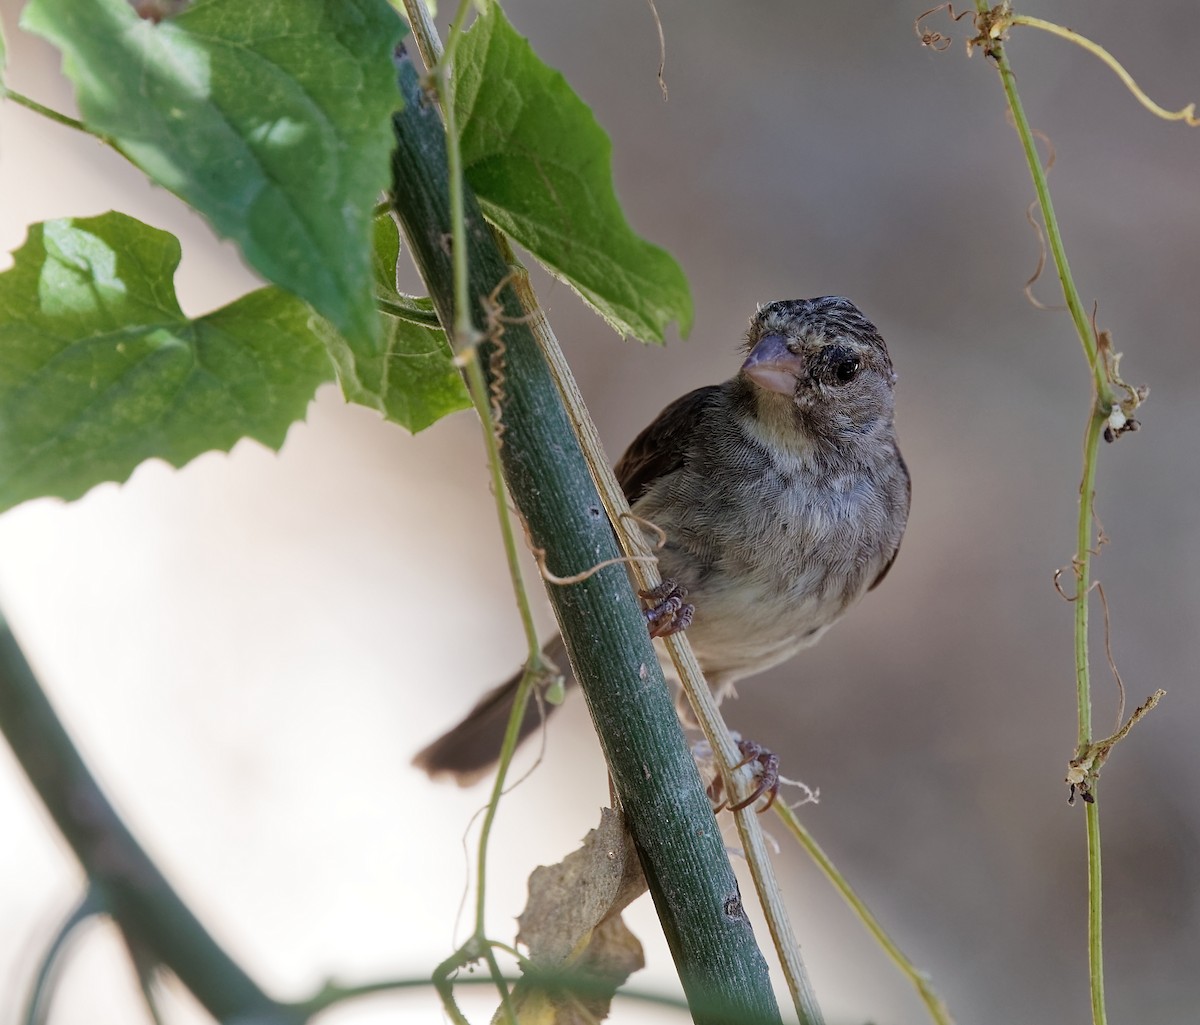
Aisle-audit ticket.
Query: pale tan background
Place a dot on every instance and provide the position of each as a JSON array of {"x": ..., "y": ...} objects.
[{"x": 249, "y": 650}]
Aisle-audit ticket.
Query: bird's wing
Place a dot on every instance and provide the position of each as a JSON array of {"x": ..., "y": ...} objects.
[
  {"x": 907, "y": 503},
  {"x": 661, "y": 447}
]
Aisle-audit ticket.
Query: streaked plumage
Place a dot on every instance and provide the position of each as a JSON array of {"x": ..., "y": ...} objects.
[{"x": 782, "y": 494}]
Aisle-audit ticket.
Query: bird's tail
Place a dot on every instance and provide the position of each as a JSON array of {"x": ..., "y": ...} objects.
[{"x": 469, "y": 750}]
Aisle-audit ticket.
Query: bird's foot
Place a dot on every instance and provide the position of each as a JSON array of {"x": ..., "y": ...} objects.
[
  {"x": 668, "y": 613},
  {"x": 766, "y": 775}
]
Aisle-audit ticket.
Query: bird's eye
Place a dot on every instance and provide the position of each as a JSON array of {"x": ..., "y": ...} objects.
[{"x": 843, "y": 365}]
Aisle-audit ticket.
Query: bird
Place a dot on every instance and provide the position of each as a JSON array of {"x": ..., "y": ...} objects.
[{"x": 782, "y": 497}]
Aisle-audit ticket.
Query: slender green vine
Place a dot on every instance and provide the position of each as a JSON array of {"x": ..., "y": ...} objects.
[
  {"x": 576, "y": 983},
  {"x": 464, "y": 329},
  {"x": 464, "y": 339},
  {"x": 1108, "y": 417},
  {"x": 1102, "y": 401},
  {"x": 933, "y": 1001},
  {"x": 29, "y": 104}
]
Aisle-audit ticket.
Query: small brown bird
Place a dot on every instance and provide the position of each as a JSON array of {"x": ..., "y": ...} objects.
[{"x": 783, "y": 497}]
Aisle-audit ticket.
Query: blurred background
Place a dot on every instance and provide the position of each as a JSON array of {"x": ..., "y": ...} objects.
[{"x": 250, "y": 650}]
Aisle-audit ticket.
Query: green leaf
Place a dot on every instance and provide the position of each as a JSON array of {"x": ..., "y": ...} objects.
[
  {"x": 422, "y": 384},
  {"x": 271, "y": 119},
  {"x": 388, "y": 298},
  {"x": 100, "y": 369},
  {"x": 541, "y": 167},
  {"x": 3, "y": 60},
  {"x": 418, "y": 382}
]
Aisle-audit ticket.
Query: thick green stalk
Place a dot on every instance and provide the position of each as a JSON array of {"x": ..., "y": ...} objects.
[{"x": 678, "y": 841}]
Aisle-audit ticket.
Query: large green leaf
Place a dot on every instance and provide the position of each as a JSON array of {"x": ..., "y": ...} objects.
[
  {"x": 271, "y": 119},
  {"x": 417, "y": 381},
  {"x": 542, "y": 169},
  {"x": 100, "y": 369}
]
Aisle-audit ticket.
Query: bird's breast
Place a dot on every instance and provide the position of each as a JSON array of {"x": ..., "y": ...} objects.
[{"x": 771, "y": 556}]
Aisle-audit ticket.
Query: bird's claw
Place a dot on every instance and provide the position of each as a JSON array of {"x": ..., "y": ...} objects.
[
  {"x": 668, "y": 613},
  {"x": 767, "y": 776}
]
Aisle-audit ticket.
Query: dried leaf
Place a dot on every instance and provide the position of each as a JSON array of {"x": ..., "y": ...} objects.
[{"x": 572, "y": 924}]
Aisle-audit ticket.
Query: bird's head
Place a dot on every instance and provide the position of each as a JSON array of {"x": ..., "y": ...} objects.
[{"x": 821, "y": 363}]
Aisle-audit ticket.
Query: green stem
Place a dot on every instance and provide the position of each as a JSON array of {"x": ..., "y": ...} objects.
[
  {"x": 38, "y": 1004},
  {"x": 443, "y": 982},
  {"x": 464, "y": 329},
  {"x": 478, "y": 389},
  {"x": 1095, "y": 922},
  {"x": 62, "y": 119},
  {"x": 569, "y": 982},
  {"x": 667, "y": 811},
  {"x": 1102, "y": 404},
  {"x": 409, "y": 312},
  {"x": 53, "y": 115},
  {"x": 429, "y": 46},
  {"x": 1087, "y": 492},
  {"x": 1083, "y": 327},
  {"x": 465, "y": 338},
  {"x": 506, "y": 1005},
  {"x": 934, "y": 1004},
  {"x": 1083, "y": 570}
]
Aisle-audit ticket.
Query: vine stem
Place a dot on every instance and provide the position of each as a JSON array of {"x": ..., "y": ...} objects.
[
  {"x": 1087, "y": 492},
  {"x": 934, "y": 1003},
  {"x": 1097, "y": 420},
  {"x": 1186, "y": 114},
  {"x": 464, "y": 329},
  {"x": 1083, "y": 327},
  {"x": 1095, "y": 933},
  {"x": 1102, "y": 404},
  {"x": 59, "y": 118},
  {"x": 465, "y": 339},
  {"x": 334, "y": 994}
]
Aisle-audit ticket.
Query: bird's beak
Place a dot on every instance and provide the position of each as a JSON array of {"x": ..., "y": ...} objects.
[{"x": 773, "y": 366}]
